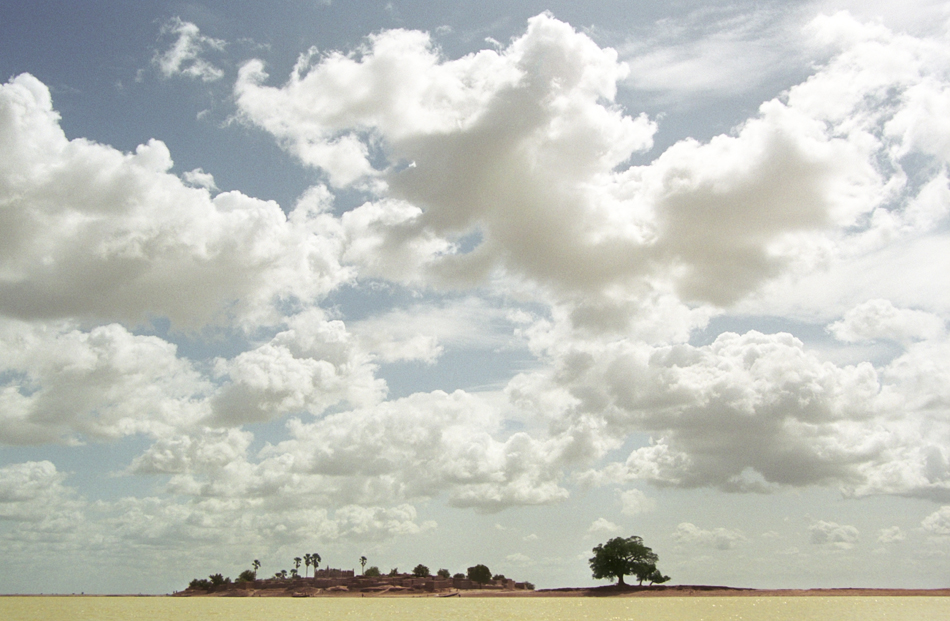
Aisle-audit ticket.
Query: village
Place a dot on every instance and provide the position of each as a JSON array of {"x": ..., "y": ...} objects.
[{"x": 330, "y": 581}]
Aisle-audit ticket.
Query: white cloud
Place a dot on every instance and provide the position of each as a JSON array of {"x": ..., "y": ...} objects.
[
  {"x": 199, "y": 178},
  {"x": 184, "y": 56},
  {"x": 59, "y": 383},
  {"x": 832, "y": 534},
  {"x": 205, "y": 525},
  {"x": 38, "y": 512},
  {"x": 520, "y": 560},
  {"x": 423, "y": 331},
  {"x": 603, "y": 526},
  {"x": 715, "y": 51},
  {"x": 374, "y": 523},
  {"x": 877, "y": 319},
  {"x": 65, "y": 384},
  {"x": 507, "y": 170},
  {"x": 747, "y": 412},
  {"x": 894, "y": 534},
  {"x": 938, "y": 522},
  {"x": 312, "y": 365},
  {"x": 635, "y": 502},
  {"x": 93, "y": 233},
  {"x": 33, "y": 492},
  {"x": 518, "y": 149},
  {"x": 745, "y": 401},
  {"x": 718, "y": 538},
  {"x": 208, "y": 452},
  {"x": 418, "y": 447}
]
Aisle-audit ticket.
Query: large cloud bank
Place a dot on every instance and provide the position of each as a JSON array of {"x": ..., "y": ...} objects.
[{"x": 507, "y": 172}]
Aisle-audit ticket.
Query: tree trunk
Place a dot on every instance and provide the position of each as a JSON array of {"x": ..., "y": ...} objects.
[{"x": 620, "y": 582}]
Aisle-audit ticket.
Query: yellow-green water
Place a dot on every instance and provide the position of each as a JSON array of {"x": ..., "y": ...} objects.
[{"x": 474, "y": 609}]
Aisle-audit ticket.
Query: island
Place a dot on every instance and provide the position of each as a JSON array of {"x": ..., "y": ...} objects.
[{"x": 336, "y": 582}]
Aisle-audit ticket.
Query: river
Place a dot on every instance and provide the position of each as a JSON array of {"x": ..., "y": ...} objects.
[{"x": 475, "y": 609}]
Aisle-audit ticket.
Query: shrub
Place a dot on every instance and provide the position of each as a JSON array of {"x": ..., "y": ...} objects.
[{"x": 248, "y": 575}]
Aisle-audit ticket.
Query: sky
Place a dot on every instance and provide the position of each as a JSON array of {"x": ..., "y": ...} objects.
[{"x": 459, "y": 283}]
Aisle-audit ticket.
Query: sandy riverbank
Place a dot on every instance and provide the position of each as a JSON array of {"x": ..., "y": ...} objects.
[{"x": 606, "y": 591}]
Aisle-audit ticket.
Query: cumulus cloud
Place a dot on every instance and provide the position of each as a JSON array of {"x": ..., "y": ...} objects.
[
  {"x": 506, "y": 169},
  {"x": 938, "y": 522},
  {"x": 603, "y": 526},
  {"x": 312, "y": 365},
  {"x": 423, "y": 331},
  {"x": 894, "y": 534},
  {"x": 93, "y": 233},
  {"x": 184, "y": 56},
  {"x": 839, "y": 536},
  {"x": 206, "y": 451},
  {"x": 635, "y": 502},
  {"x": 422, "y": 446},
  {"x": 718, "y": 538},
  {"x": 376, "y": 523},
  {"x": 751, "y": 401},
  {"x": 519, "y": 559},
  {"x": 36, "y": 506},
  {"x": 747, "y": 412},
  {"x": 520, "y": 149},
  {"x": 59, "y": 383},
  {"x": 32, "y": 490},
  {"x": 876, "y": 319},
  {"x": 199, "y": 178},
  {"x": 205, "y": 524},
  {"x": 387, "y": 454}
]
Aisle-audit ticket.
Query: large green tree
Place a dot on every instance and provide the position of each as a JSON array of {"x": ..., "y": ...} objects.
[
  {"x": 621, "y": 557},
  {"x": 479, "y": 573}
]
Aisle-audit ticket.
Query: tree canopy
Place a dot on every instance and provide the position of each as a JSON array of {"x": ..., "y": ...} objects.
[
  {"x": 621, "y": 557},
  {"x": 420, "y": 571},
  {"x": 479, "y": 573}
]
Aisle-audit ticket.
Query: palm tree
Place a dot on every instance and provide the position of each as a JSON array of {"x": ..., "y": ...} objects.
[
  {"x": 306, "y": 564},
  {"x": 315, "y": 559},
  {"x": 297, "y": 560},
  {"x": 256, "y": 564},
  {"x": 363, "y": 564}
]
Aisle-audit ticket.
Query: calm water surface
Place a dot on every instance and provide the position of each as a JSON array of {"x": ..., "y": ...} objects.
[{"x": 474, "y": 609}]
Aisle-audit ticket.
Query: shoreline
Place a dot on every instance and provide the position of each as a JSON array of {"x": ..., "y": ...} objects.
[{"x": 603, "y": 591}]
